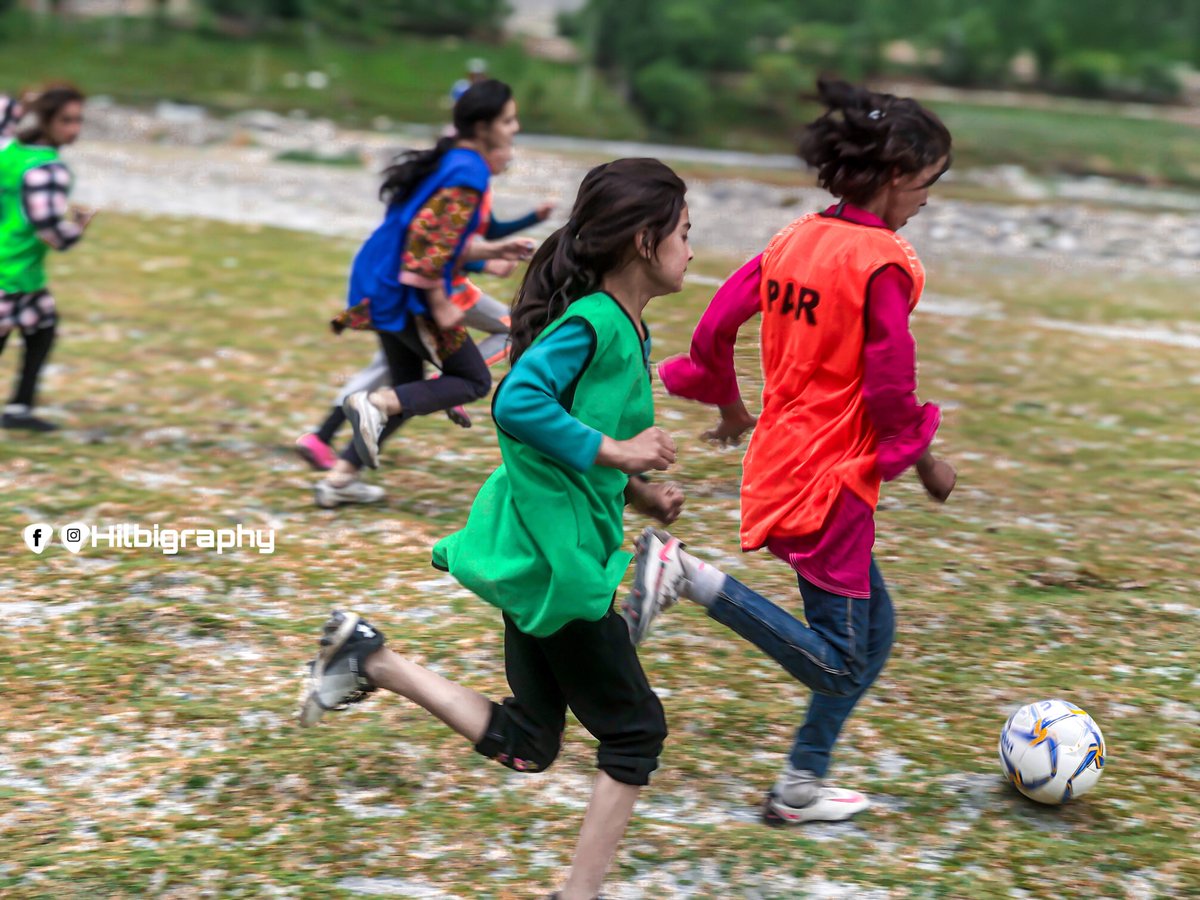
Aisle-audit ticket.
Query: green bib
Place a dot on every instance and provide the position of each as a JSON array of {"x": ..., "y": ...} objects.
[
  {"x": 22, "y": 252},
  {"x": 543, "y": 542}
]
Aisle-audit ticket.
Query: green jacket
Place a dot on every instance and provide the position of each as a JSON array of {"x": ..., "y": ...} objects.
[
  {"x": 544, "y": 542},
  {"x": 22, "y": 252}
]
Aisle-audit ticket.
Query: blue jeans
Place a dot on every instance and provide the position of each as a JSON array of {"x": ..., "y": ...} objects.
[{"x": 838, "y": 654}]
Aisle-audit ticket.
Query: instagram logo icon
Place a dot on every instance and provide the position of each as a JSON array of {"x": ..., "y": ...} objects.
[{"x": 72, "y": 536}]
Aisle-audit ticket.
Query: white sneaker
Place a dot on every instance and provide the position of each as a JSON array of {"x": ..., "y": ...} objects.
[
  {"x": 367, "y": 422},
  {"x": 329, "y": 495},
  {"x": 658, "y": 579},
  {"x": 831, "y": 805}
]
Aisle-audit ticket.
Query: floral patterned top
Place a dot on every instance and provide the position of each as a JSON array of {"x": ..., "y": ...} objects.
[{"x": 435, "y": 233}]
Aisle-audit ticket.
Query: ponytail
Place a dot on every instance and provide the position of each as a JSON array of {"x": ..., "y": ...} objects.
[
  {"x": 411, "y": 168},
  {"x": 556, "y": 278}
]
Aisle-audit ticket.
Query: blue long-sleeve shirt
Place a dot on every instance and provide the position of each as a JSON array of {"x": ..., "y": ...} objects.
[
  {"x": 497, "y": 229},
  {"x": 529, "y": 404}
]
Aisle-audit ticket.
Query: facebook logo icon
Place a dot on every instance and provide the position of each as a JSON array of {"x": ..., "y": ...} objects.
[{"x": 38, "y": 536}]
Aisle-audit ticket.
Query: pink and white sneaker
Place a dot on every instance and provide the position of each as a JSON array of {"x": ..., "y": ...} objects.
[
  {"x": 315, "y": 452},
  {"x": 658, "y": 579},
  {"x": 831, "y": 805}
]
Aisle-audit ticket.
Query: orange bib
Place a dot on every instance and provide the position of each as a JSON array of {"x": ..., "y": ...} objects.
[{"x": 814, "y": 436}]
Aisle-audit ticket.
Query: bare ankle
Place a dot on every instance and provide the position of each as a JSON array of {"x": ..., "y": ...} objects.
[
  {"x": 386, "y": 401},
  {"x": 341, "y": 474},
  {"x": 375, "y": 666}
]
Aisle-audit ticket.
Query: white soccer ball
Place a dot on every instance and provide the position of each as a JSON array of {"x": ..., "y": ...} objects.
[{"x": 1051, "y": 751}]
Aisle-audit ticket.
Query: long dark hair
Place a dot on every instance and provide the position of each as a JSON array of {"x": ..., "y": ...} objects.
[
  {"x": 481, "y": 103},
  {"x": 866, "y": 138},
  {"x": 45, "y": 106},
  {"x": 616, "y": 200}
]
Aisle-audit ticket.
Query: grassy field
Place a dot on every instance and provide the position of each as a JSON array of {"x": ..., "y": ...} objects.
[
  {"x": 408, "y": 80},
  {"x": 1074, "y": 143},
  {"x": 146, "y": 741}
]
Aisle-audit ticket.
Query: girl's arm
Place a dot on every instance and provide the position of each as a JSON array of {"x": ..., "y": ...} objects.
[
  {"x": 540, "y": 213},
  {"x": 497, "y": 229},
  {"x": 44, "y": 199},
  {"x": 532, "y": 405},
  {"x": 905, "y": 427},
  {"x": 479, "y": 250},
  {"x": 707, "y": 373},
  {"x": 532, "y": 402}
]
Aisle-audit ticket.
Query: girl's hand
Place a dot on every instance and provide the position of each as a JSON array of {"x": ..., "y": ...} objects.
[
  {"x": 501, "y": 268},
  {"x": 937, "y": 475},
  {"x": 445, "y": 313},
  {"x": 82, "y": 216},
  {"x": 735, "y": 421},
  {"x": 543, "y": 209},
  {"x": 515, "y": 249},
  {"x": 652, "y": 449},
  {"x": 662, "y": 501}
]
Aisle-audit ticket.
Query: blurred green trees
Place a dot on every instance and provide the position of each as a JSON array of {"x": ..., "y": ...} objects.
[
  {"x": 373, "y": 19},
  {"x": 668, "y": 53}
]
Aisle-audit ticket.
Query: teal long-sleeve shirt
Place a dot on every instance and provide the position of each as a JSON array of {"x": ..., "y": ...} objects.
[{"x": 530, "y": 406}]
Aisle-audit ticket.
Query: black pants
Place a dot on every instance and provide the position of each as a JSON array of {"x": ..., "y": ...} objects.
[
  {"x": 465, "y": 377},
  {"x": 37, "y": 351},
  {"x": 593, "y": 668}
]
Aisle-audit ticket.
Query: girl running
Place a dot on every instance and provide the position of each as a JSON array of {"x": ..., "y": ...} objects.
[
  {"x": 543, "y": 542},
  {"x": 401, "y": 279},
  {"x": 38, "y": 218},
  {"x": 483, "y": 313},
  {"x": 839, "y": 414}
]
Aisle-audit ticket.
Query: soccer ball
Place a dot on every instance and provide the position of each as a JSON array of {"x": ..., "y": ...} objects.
[{"x": 1051, "y": 751}]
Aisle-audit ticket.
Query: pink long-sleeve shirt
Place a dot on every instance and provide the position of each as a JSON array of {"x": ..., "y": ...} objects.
[{"x": 836, "y": 557}]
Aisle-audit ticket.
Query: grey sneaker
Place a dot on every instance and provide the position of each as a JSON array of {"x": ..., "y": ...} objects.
[
  {"x": 367, "y": 422},
  {"x": 329, "y": 495},
  {"x": 337, "y": 677},
  {"x": 658, "y": 578}
]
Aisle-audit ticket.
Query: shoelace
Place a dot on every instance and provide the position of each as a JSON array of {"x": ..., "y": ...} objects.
[{"x": 356, "y": 696}]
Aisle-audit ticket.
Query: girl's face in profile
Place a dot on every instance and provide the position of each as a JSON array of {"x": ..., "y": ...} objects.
[
  {"x": 908, "y": 193},
  {"x": 501, "y": 130},
  {"x": 669, "y": 263},
  {"x": 64, "y": 128}
]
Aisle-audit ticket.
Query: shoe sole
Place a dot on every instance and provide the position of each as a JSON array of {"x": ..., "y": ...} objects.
[
  {"x": 772, "y": 818},
  {"x": 631, "y": 605},
  {"x": 310, "y": 709},
  {"x": 336, "y": 503},
  {"x": 361, "y": 445},
  {"x": 459, "y": 416},
  {"x": 25, "y": 426},
  {"x": 309, "y": 457},
  {"x": 775, "y": 819}
]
